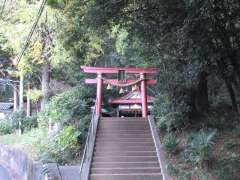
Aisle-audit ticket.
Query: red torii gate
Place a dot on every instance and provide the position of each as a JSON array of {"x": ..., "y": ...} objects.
[{"x": 116, "y": 82}]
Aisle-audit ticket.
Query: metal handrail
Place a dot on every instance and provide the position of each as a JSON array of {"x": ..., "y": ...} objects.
[{"x": 89, "y": 145}]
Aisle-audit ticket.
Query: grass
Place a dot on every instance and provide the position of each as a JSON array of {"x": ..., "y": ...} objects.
[
  {"x": 223, "y": 162},
  {"x": 26, "y": 142}
]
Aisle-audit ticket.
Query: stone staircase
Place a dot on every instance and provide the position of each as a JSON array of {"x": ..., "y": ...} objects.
[{"x": 124, "y": 150}]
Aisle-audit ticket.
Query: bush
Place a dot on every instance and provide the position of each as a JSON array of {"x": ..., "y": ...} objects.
[
  {"x": 171, "y": 114},
  {"x": 67, "y": 106},
  {"x": 231, "y": 143},
  {"x": 35, "y": 95},
  {"x": 170, "y": 143},
  {"x": 199, "y": 147},
  {"x": 18, "y": 117},
  {"x": 72, "y": 110},
  {"x": 64, "y": 147},
  {"x": 5, "y": 127}
]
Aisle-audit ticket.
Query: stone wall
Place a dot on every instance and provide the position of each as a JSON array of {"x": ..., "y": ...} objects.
[
  {"x": 20, "y": 167},
  {"x": 19, "y": 164}
]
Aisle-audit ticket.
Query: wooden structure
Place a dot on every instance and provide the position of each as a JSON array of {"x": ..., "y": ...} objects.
[
  {"x": 5, "y": 109},
  {"x": 130, "y": 103},
  {"x": 142, "y": 79}
]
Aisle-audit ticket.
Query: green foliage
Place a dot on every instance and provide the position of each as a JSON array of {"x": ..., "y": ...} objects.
[
  {"x": 199, "y": 147},
  {"x": 235, "y": 158},
  {"x": 56, "y": 3},
  {"x": 170, "y": 115},
  {"x": 185, "y": 174},
  {"x": 64, "y": 147},
  {"x": 236, "y": 130},
  {"x": 14, "y": 119},
  {"x": 35, "y": 95},
  {"x": 170, "y": 142},
  {"x": 229, "y": 144},
  {"x": 19, "y": 117},
  {"x": 5, "y": 127},
  {"x": 223, "y": 170},
  {"x": 67, "y": 106}
]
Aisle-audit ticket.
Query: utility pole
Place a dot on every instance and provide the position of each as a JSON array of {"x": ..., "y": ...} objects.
[
  {"x": 15, "y": 97},
  {"x": 29, "y": 101},
  {"x": 21, "y": 84},
  {"x": 21, "y": 103}
]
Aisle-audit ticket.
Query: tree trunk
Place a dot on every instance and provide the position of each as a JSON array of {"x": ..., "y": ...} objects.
[
  {"x": 45, "y": 85},
  {"x": 201, "y": 94},
  {"x": 21, "y": 103},
  {"x": 15, "y": 97},
  {"x": 29, "y": 112},
  {"x": 232, "y": 95}
]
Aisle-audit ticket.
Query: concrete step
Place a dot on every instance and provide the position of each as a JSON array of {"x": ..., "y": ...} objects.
[
  {"x": 121, "y": 135},
  {"x": 122, "y": 148},
  {"x": 124, "y": 164},
  {"x": 152, "y": 176},
  {"x": 117, "y": 131},
  {"x": 109, "y": 139},
  {"x": 123, "y": 119},
  {"x": 123, "y": 126},
  {"x": 124, "y": 158},
  {"x": 119, "y": 128},
  {"x": 125, "y": 122},
  {"x": 120, "y": 144},
  {"x": 126, "y": 153},
  {"x": 125, "y": 170},
  {"x": 134, "y": 132}
]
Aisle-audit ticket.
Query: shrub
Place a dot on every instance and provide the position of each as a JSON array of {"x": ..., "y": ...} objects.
[
  {"x": 18, "y": 117},
  {"x": 67, "y": 106},
  {"x": 199, "y": 147},
  {"x": 230, "y": 143},
  {"x": 171, "y": 114},
  {"x": 5, "y": 127},
  {"x": 35, "y": 95},
  {"x": 170, "y": 143},
  {"x": 64, "y": 147}
]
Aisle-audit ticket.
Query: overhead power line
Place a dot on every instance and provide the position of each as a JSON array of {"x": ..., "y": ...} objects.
[{"x": 28, "y": 40}]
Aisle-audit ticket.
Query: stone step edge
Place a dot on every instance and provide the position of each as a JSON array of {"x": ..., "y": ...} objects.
[
  {"x": 125, "y": 156},
  {"x": 115, "y": 168},
  {"x": 135, "y": 174},
  {"x": 123, "y": 162}
]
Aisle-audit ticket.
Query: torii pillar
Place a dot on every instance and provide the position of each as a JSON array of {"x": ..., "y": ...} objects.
[
  {"x": 99, "y": 94},
  {"x": 144, "y": 96}
]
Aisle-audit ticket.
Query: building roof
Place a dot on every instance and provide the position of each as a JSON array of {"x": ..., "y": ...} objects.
[
  {"x": 5, "y": 107},
  {"x": 133, "y": 97}
]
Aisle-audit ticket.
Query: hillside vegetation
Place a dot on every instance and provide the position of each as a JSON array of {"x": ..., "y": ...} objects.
[{"x": 194, "y": 43}]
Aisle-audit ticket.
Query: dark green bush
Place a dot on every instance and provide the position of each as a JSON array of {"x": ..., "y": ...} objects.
[
  {"x": 72, "y": 110},
  {"x": 64, "y": 147},
  {"x": 5, "y": 127},
  {"x": 65, "y": 107},
  {"x": 199, "y": 147},
  {"x": 19, "y": 117},
  {"x": 171, "y": 115},
  {"x": 170, "y": 143}
]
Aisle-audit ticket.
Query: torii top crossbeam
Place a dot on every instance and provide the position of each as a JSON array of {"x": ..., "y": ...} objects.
[
  {"x": 115, "y": 82},
  {"x": 114, "y": 70}
]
